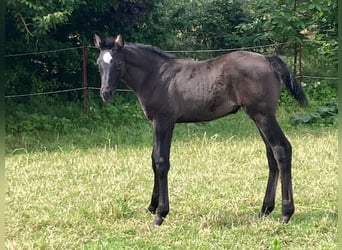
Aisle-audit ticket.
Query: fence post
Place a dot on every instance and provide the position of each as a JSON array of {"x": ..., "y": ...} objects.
[
  {"x": 295, "y": 59},
  {"x": 300, "y": 66},
  {"x": 85, "y": 79}
]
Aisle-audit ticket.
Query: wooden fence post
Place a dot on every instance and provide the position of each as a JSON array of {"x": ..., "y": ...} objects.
[
  {"x": 295, "y": 60},
  {"x": 300, "y": 66},
  {"x": 85, "y": 79}
]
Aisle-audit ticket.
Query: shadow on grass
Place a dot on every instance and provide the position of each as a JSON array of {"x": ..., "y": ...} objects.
[
  {"x": 318, "y": 217},
  {"x": 322, "y": 219}
]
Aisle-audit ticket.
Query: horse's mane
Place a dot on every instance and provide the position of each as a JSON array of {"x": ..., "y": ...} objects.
[
  {"x": 154, "y": 50},
  {"x": 109, "y": 42}
]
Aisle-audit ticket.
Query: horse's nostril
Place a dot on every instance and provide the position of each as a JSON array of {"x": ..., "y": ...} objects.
[{"x": 106, "y": 94}]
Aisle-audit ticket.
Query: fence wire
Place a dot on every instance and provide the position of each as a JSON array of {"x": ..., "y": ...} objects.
[
  {"x": 42, "y": 52},
  {"x": 168, "y": 51},
  {"x": 128, "y": 90},
  {"x": 62, "y": 91}
]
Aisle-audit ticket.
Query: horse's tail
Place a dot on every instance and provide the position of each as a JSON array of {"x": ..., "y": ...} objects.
[{"x": 295, "y": 88}]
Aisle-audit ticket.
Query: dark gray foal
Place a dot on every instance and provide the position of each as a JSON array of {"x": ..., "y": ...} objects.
[{"x": 172, "y": 90}]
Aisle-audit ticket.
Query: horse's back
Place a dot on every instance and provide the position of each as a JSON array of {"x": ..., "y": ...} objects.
[
  {"x": 206, "y": 90},
  {"x": 254, "y": 82}
]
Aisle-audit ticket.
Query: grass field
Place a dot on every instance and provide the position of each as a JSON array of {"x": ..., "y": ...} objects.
[{"x": 91, "y": 190}]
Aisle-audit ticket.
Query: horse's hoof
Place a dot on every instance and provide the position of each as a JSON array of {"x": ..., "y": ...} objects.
[
  {"x": 158, "y": 221},
  {"x": 287, "y": 211},
  {"x": 286, "y": 218},
  {"x": 151, "y": 210},
  {"x": 262, "y": 215},
  {"x": 266, "y": 210}
]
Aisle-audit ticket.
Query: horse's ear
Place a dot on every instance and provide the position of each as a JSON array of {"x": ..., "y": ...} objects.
[
  {"x": 119, "y": 41},
  {"x": 97, "y": 41}
]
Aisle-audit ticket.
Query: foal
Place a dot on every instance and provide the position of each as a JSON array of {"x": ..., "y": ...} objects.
[{"x": 172, "y": 90}]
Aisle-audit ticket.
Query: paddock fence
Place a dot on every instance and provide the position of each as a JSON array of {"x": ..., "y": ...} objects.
[{"x": 298, "y": 66}]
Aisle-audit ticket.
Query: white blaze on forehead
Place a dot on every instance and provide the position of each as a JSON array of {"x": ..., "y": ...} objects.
[{"x": 107, "y": 57}]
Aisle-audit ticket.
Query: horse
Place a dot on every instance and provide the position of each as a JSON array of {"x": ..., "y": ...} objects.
[{"x": 175, "y": 90}]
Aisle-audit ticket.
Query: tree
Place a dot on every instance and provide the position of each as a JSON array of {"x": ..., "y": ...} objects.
[
  {"x": 289, "y": 21},
  {"x": 192, "y": 25},
  {"x": 51, "y": 25},
  {"x": 171, "y": 25},
  {"x": 36, "y": 19}
]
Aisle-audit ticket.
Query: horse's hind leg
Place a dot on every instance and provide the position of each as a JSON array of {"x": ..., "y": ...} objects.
[
  {"x": 282, "y": 152},
  {"x": 269, "y": 200}
]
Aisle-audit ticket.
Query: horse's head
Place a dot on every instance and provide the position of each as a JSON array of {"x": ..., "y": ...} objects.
[{"x": 110, "y": 63}]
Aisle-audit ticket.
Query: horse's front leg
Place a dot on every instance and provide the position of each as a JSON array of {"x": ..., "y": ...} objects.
[
  {"x": 162, "y": 135},
  {"x": 155, "y": 192}
]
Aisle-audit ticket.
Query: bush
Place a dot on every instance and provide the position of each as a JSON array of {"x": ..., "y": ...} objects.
[
  {"x": 62, "y": 117},
  {"x": 322, "y": 115}
]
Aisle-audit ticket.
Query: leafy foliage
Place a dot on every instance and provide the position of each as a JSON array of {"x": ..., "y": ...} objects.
[
  {"x": 54, "y": 25},
  {"x": 286, "y": 20},
  {"x": 55, "y": 117},
  {"x": 36, "y": 19},
  {"x": 174, "y": 25},
  {"x": 323, "y": 115},
  {"x": 192, "y": 25}
]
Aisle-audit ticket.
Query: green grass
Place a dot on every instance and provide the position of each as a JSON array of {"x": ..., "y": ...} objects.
[{"x": 90, "y": 189}]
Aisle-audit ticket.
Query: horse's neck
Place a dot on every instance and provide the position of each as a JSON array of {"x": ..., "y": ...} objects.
[{"x": 139, "y": 65}]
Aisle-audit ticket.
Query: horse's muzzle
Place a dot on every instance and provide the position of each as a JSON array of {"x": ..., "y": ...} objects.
[{"x": 106, "y": 95}]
